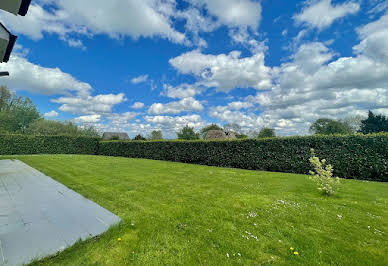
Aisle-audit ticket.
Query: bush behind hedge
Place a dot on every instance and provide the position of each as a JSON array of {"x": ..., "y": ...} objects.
[
  {"x": 26, "y": 144},
  {"x": 352, "y": 156}
]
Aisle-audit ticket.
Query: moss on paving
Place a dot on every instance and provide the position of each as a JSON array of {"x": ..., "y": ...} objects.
[{"x": 188, "y": 214}]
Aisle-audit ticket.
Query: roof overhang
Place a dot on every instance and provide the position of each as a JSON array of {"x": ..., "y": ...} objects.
[
  {"x": 7, "y": 42},
  {"x": 17, "y": 7}
]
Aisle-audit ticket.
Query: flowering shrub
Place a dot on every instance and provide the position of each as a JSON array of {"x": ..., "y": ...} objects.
[{"x": 323, "y": 175}]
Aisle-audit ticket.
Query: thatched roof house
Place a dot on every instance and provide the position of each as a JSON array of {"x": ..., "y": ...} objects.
[
  {"x": 220, "y": 134},
  {"x": 115, "y": 135},
  {"x": 230, "y": 135}
]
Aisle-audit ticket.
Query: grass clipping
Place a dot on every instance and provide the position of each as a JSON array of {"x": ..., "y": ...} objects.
[{"x": 323, "y": 175}]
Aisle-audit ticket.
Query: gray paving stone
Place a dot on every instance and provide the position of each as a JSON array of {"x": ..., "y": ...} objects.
[{"x": 39, "y": 216}]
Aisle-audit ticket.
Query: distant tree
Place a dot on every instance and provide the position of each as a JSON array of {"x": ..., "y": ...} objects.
[
  {"x": 266, "y": 133},
  {"x": 374, "y": 124},
  {"x": 206, "y": 129},
  {"x": 354, "y": 122},
  {"x": 156, "y": 135},
  {"x": 50, "y": 128},
  {"x": 252, "y": 134},
  {"x": 187, "y": 133},
  {"x": 326, "y": 126},
  {"x": 234, "y": 127},
  {"x": 5, "y": 96},
  {"x": 139, "y": 137},
  {"x": 16, "y": 113},
  {"x": 89, "y": 131},
  {"x": 241, "y": 136}
]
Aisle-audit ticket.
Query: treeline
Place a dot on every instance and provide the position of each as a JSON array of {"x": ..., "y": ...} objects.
[
  {"x": 19, "y": 115},
  {"x": 373, "y": 123},
  {"x": 188, "y": 133},
  {"x": 16, "y": 113},
  {"x": 43, "y": 127}
]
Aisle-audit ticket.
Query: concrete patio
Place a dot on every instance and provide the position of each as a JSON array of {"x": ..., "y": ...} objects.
[{"x": 39, "y": 216}]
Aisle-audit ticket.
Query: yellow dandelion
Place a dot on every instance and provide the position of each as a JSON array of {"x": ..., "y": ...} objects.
[
  {"x": 291, "y": 248},
  {"x": 296, "y": 253},
  {"x": 119, "y": 239}
]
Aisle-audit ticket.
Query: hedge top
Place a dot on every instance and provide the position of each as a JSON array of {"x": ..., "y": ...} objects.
[{"x": 372, "y": 135}]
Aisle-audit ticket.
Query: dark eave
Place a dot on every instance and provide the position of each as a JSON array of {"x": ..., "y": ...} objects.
[
  {"x": 12, "y": 40},
  {"x": 24, "y": 7},
  {"x": 11, "y": 44}
]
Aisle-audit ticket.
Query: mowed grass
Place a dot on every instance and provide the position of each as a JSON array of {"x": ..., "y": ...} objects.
[{"x": 182, "y": 214}]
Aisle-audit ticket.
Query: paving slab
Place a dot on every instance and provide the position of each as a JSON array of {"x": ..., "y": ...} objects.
[{"x": 39, "y": 216}]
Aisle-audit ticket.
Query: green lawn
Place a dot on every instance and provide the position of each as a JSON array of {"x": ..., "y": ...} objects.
[{"x": 185, "y": 214}]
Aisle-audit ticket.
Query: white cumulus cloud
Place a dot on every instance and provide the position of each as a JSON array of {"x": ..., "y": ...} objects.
[
  {"x": 137, "y": 105},
  {"x": 115, "y": 18},
  {"x": 234, "y": 13},
  {"x": 173, "y": 124},
  {"x": 88, "y": 119},
  {"x": 90, "y": 105},
  {"x": 184, "y": 105},
  {"x": 225, "y": 72},
  {"x": 321, "y": 14},
  {"x": 139, "y": 79},
  {"x": 374, "y": 39},
  {"x": 51, "y": 114},
  {"x": 34, "y": 78},
  {"x": 181, "y": 91},
  {"x": 120, "y": 120}
]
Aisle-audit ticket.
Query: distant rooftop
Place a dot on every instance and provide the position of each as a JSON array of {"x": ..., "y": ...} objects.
[{"x": 117, "y": 135}]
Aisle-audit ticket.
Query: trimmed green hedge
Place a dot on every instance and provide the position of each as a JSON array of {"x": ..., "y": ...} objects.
[
  {"x": 353, "y": 156},
  {"x": 25, "y": 144}
]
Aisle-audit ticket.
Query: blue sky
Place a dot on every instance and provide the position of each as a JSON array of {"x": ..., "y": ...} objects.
[{"x": 140, "y": 65}]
